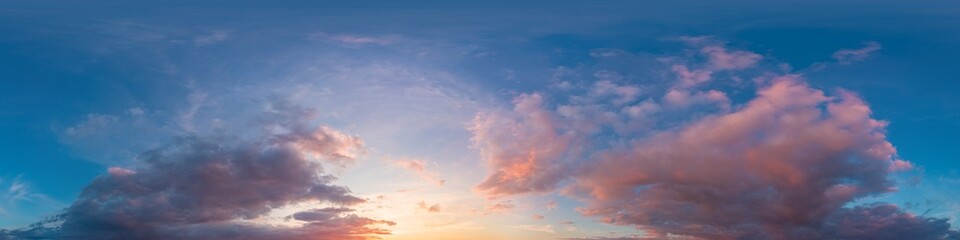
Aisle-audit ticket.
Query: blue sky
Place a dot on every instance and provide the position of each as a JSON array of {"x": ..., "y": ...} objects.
[{"x": 432, "y": 89}]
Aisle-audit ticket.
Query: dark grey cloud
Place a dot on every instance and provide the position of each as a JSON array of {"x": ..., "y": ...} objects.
[
  {"x": 885, "y": 221},
  {"x": 204, "y": 187}
]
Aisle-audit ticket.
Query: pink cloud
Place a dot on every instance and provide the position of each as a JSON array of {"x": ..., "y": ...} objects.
[
  {"x": 623, "y": 93},
  {"x": 521, "y": 147},
  {"x": 419, "y": 167},
  {"x": 528, "y": 149},
  {"x": 690, "y": 78},
  {"x": 722, "y": 59},
  {"x": 777, "y": 166},
  {"x": 684, "y": 98},
  {"x": 551, "y": 204},
  {"x": 499, "y": 207},
  {"x": 120, "y": 172}
]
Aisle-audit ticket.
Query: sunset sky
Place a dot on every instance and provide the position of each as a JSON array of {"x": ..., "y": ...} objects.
[{"x": 480, "y": 120}]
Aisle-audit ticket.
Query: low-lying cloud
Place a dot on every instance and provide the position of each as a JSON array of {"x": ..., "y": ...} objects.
[{"x": 220, "y": 187}]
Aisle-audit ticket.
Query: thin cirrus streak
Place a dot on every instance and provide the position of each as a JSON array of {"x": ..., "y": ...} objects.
[{"x": 784, "y": 165}]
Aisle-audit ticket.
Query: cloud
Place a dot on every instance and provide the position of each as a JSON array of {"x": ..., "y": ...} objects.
[
  {"x": 427, "y": 207},
  {"x": 104, "y": 138},
  {"x": 621, "y": 93},
  {"x": 722, "y": 59},
  {"x": 785, "y": 164},
  {"x": 848, "y": 56},
  {"x": 690, "y": 78},
  {"x": 419, "y": 167},
  {"x": 685, "y": 93},
  {"x": 213, "y": 37},
  {"x": 776, "y": 167},
  {"x": 537, "y": 217},
  {"x": 536, "y": 228},
  {"x": 502, "y": 206},
  {"x": 214, "y": 187},
  {"x": 885, "y": 221},
  {"x": 606, "y": 52},
  {"x": 17, "y": 193},
  {"x": 610, "y": 238},
  {"x": 355, "y": 40},
  {"x": 522, "y": 147},
  {"x": 530, "y": 148},
  {"x": 694, "y": 40},
  {"x": 92, "y": 124},
  {"x": 18, "y": 190},
  {"x": 685, "y": 98}
]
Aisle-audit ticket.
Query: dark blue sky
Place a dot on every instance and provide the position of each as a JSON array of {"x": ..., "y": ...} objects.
[{"x": 137, "y": 75}]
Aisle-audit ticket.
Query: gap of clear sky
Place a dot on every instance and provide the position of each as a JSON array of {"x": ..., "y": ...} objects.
[{"x": 479, "y": 120}]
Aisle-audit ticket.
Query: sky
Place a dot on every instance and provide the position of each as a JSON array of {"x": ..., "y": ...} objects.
[{"x": 479, "y": 120}]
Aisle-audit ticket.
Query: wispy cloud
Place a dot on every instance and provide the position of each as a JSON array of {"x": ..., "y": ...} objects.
[
  {"x": 848, "y": 56},
  {"x": 536, "y": 228},
  {"x": 355, "y": 40},
  {"x": 422, "y": 205},
  {"x": 15, "y": 193},
  {"x": 500, "y": 207},
  {"x": 419, "y": 167},
  {"x": 211, "y": 38}
]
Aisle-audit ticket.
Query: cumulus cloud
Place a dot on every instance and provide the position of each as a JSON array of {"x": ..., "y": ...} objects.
[
  {"x": 782, "y": 165},
  {"x": 848, "y": 56},
  {"x": 214, "y": 187},
  {"x": 722, "y": 59},
  {"x": 684, "y": 98},
  {"x": 530, "y": 148},
  {"x": 775, "y": 168},
  {"x": 522, "y": 147},
  {"x": 689, "y": 78},
  {"x": 686, "y": 91}
]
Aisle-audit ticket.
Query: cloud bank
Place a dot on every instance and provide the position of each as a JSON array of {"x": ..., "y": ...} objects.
[
  {"x": 786, "y": 164},
  {"x": 218, "y": 187}
]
